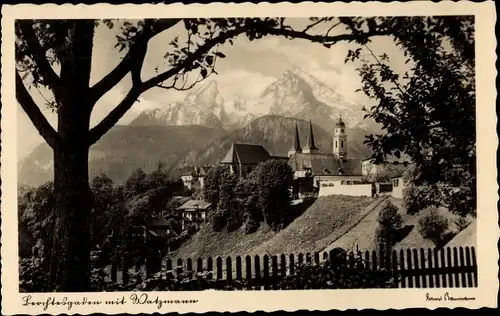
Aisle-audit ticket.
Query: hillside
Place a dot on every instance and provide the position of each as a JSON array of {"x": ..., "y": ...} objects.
[
  {"x": 323, "y": 222},
  {"x": 347, "y": 222},
  {"x": 363, "y": 234},
  {"x": 124, "y": 149},
  {"x": 276, "y": 134}
]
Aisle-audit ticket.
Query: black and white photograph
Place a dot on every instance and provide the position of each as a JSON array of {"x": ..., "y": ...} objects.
[{"x": 242, "y": 153}]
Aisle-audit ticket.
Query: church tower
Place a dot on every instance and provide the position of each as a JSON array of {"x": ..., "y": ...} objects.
[
  {"x": 340, "y": 140},
  {"x": 296, "y": 143},
  {"x": 311, "y": 145}
]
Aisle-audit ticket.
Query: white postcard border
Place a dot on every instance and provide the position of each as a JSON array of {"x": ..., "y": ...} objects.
[{"x": 487, "y": 141}]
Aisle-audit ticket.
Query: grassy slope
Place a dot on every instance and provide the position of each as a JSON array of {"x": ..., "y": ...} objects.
[
  {"x": 326, "y": 220},
  {"x": 332, "y": 221}
]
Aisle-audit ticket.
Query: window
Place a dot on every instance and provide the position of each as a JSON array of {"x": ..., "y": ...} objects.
[
  {"x": 342, "y": 130},
  {"x": 342, "y": 144},
  {"x": 395, "y": 182},
  {"x": 336, "y": 145}
]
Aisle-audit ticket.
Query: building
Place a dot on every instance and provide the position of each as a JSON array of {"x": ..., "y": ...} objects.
[
  {"x": 161, "y": 227},
  {"x": 194, "y": 212},
  {"x": 193, "y": 177},
  {"x": 386, "y": 170},
  {"x": 243, "y": 158},
  {"x": 311, "y": 166},
  {"x": 398, "y": 185}
]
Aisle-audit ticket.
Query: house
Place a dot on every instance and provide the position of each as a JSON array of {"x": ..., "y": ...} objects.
[
  {"x": 374, "y": 172},
  {"x": 193, "y": 177},
  {"x": 243, "y": 158},
  {"x": 398, "y": 186},
  {"x": 194, "y": 212},
  {"x": 161, "y": 227},
  {"x": 311, "y": 166}
]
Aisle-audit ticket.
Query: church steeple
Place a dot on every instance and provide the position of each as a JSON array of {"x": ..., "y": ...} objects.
[
  {"x": 311, "y": 145},
  {"x": 340, "y": 140},
  {"x": 296, "y": 143}
]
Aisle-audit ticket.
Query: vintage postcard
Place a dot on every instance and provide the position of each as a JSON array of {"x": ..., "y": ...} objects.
[{"x": 248, "y": 157}]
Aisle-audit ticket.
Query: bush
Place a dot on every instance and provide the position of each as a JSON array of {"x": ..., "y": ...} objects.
[
  {"x": 417, "y": 198},
  {"x": 390, "y": 223},
  {"x": 434, "y": 227},
  {"x": 219, "y": 220}
]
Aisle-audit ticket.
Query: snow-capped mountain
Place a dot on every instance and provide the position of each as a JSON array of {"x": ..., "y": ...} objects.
[
  {"x": 295, "y": 93},
  {"x": 204, "y": 106}
]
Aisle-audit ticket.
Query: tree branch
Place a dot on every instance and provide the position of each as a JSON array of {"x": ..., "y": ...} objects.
[
  {"x": 114, "y": 116},
  {"x": 132, "y": 57},
  {"x": 186, "y": 63},
  {"x": 36, "y": 116},
  {"x": 38, "y": 54}
]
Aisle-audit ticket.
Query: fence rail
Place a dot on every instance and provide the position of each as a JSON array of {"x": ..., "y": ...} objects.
[{"x": 411, "y": 268}]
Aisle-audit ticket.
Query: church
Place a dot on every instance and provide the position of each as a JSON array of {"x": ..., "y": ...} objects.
[{"x": 311, "y": 166}]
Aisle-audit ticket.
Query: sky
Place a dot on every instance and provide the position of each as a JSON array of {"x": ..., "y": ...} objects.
[{"x": 248, "y": 68}]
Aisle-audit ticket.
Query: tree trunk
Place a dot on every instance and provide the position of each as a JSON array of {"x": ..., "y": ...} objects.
[{"x": 70, "y": 259}]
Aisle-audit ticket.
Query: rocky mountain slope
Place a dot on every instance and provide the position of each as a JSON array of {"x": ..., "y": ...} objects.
[{"x": 124, "y": 149}]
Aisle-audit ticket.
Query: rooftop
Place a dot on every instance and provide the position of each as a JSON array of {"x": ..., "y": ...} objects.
[
  {"x": 246, "y": 154},
  {"x": 324, "y": 164},
  {"x": 194, "y": 204}
]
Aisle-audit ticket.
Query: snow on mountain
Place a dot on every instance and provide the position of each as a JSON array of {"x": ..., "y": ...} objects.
[
  {"x": 295, "y": 93},
  {"x": 204, "y": 106}
]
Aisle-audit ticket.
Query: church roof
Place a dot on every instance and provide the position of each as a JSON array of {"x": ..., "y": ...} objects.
[
  {"x": 324, "y": 164},
  {"x": 296, "y": 142},
  {"x": 246, "y": 154},
  {"x": 311, "y": 144}
]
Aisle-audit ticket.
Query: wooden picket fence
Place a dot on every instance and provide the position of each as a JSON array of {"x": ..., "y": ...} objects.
[{"x": 412, "y": 268}]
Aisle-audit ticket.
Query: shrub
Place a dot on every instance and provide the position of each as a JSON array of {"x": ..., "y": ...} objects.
[
  {"x": 417, "y": 198},
  {"x": 434, "y": 227},
  {"x": 461, "y": 223},
  {"x": 219, "y": 219},
  {"x": 390, "y": 223}
]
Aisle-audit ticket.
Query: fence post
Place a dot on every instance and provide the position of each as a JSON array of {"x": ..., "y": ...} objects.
[
  {"x": 395, "y": 272},
  {"x": 258, "y": 279},
  {"x": 274, "y": 270},
  {"x": 474, "y": 264},
  {"x": 402, "y": 268},
  {"x": 125, "y": 267},
  {"x": 469, "y": 267},
  {"x": 219, "y": 268},
  {"x": 374, "y": 261},
  {"x": 199, "y": 265},
  {"x": 292, "y": 264},
  {"x": 283, "y": 266},
  {"x": 238, "y": 269},
  {"x": 266, "y": 272},
  {"x": 367, "y": 260}
]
